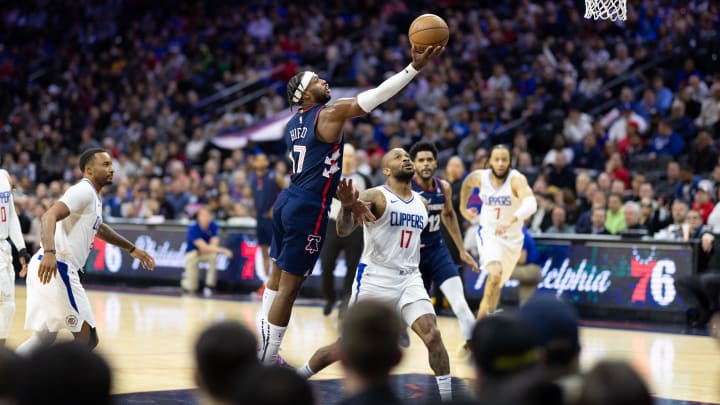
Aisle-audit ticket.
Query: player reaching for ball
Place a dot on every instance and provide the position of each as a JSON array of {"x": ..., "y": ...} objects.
[{"x": 315, "y": 144}]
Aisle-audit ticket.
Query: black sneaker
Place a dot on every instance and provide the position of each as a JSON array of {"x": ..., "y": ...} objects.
[{"x": 327, "y": 309}]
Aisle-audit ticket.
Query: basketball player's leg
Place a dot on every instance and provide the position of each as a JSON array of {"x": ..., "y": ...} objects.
[
  {"x": 328, "y": 260},
  {"x": 446, "y": 276},
  {"x": 417, "y": 311},
  {"x": 7, "y": 297},
  {"x": 353, "y": 245},
  {"x": 321, "y": 359},
  {"x": 491, "y": 295},
  {"x": 87, "y": 336}
]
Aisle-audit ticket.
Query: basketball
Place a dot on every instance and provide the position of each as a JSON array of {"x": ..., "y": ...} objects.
[{"x": 428, "y": 30}]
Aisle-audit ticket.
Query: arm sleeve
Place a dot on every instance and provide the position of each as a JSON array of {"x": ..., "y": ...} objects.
[
  {"x": 528, "y": 206},
  {"x": 369, "y": 99}
]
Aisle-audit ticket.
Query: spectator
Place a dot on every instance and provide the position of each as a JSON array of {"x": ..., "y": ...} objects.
[
  {"x": 559, "y": 224},
  {"x": 588, "y": 154},
  {"x": 631, "y": 211},
  {"x": 673, "y": 230},
  {"x": 703, "y": 154},
  {"x": 666, "y": 142},
  {"x": 54, "y": 372},
  {"x": 203, "y": 245},
  {"x": 502, "y": 347},
  {"x": 694, "y": 219},
  {"x": 614, "y": 383},
  {"x": 12, "y": 376},
  {"x": 703, "y": 200},
  {"x": 598, "y": 218},
  {"x": 618, "y": 129},
  {"x": 560, "y": 174},
  {"x": 710, "y": 110},
  {"x": 615, "y": 221},
  {"x": 585, "y": 222},
  {"x": 559, "y": 146},
  {"x": 370, "y": 350},
  {"x": 225, "y": 354},
  {"x": 577, "y": 125},
  {"x": 274, "y": 385},
  {"x": 667, "y": 187},
  {"x": 542, "y": 219}
]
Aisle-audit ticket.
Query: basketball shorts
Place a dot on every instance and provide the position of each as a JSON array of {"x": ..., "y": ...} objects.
[
  {"x": 7, "y": 289},
  {"x": 506, "y": 251},
  {"x": 436, "y": 264},
  {"x": 402, "y": 290},
  {"x": 264, "y": 230},
  {"x": 299, "y": 223},
  {"x": 60, "y": 304}
]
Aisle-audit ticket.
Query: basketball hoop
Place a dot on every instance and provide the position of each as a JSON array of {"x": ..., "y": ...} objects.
[{"x": 613, "y": 10}]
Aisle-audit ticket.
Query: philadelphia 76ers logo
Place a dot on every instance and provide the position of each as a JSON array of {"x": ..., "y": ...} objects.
[{"x": 313, "y": 245}]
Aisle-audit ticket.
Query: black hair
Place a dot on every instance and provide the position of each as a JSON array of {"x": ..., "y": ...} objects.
[
  {"x": 293, "y": 85},
  {"x": 500, "y": 146},
  {"x": 87, "y": 156},
  {"x": 224, "y": 352},
  {"x": 423, "y": 146},
  {"x": 273, "y": 385}
]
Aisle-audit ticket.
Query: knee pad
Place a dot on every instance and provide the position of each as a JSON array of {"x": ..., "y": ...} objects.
[{"x": 93, "y": 339}]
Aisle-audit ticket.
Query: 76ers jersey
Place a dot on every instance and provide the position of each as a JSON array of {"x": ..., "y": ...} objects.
[
  {"x": 435, "y": 197},
  {"x": 74, "y": 235},
  {"x": 393, "y": 241},
  {"x": 499, "y": 204},
  {"x": 315, "y": 163}
]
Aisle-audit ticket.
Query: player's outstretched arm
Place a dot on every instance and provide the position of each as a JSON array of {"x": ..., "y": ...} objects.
[
  {"x": 449, "y": 219},
  {"x": 333, "y": 117},
  {"x": 109, "y": 235},
  {"x": 471, "y": 182}
]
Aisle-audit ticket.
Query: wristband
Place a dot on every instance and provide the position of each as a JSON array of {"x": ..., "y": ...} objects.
[
  {"x": 49, "y": 251},
  {"x": 132, "y": 249}
]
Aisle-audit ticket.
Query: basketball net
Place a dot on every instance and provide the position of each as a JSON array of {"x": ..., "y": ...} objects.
[{"x": 613, "y": 10}]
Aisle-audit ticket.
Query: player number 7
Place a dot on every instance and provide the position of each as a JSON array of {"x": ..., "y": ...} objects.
[
  {"x": 498, "y": 212},
  {"x": 404, "y": 243}
]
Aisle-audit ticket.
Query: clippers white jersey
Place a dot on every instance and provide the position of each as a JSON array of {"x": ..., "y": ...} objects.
[
  {"x": 9, "y": 223},
  {"x": 393, "y": 241},
  {"x": 498, "y": 204},
  {"x": 74, "y": 235}
]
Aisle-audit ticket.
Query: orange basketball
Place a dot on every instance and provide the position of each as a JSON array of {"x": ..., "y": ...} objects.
[{"x": 428, "y": 30}]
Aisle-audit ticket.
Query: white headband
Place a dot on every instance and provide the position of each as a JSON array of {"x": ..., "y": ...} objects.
[{"x": 307, "y": 76}]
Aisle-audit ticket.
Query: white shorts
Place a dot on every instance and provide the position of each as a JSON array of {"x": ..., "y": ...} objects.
[
  {"x": 7, "y": 289},
  {"x": 60, "y": 304},
  {"x": 404, "y": 291},
  {"x": 506, "y": 251}
]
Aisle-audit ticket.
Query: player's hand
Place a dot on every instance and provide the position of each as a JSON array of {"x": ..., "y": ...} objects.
[
  {"x": 467, "y": 258},
  {"x": 346, "y": 193},
  {"x": 23, "y": 269},
  {"x": 146, "y": 261},
  {"x": 361, "y": 212},
  {"x": 502, "y": 227},
  {"x": 48, "y": 268},
  {"x": 472, "y": 213},
  {"x": 421, "y": 59}
]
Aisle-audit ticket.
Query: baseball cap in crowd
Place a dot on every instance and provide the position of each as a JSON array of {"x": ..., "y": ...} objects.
[
  {"x": 705, "y": 185},
  {"x": 554, "y": 324},
  {"x": 503, "y": 345}
]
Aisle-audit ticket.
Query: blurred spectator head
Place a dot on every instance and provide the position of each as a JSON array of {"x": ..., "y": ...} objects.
[
  {"x": 704, "y": 192},
  {"x": 673, "y": 171},
  {"x": 349, "y": 162},
  {"x": 695, "y": 219},
  {"x": 12, "y": 379},
  {"x": 559, "y": 217},
  {"x": 260, "y": 162},
  {"x": 205, "y": 216},
  {"x": 581, "y": 183},
  {"x": 679, "y": 211},
  {"x": 554, "y": 324},
  {"x": 604, "y": 182},
  {"x": 224, "y": 353},
  {"x": 614, "y": 383},
  {"x": 67, "y": 372},
  {"x": 455, "y": 169},
  {"x": 631, "y": 211},
  {"x": 617, "y": 187},
  {"x": 370, "y": 347},
  {"x": 598, "y": 217},
  {"x": 502, "y": 346},
  {"x": 614, "y": 202}
]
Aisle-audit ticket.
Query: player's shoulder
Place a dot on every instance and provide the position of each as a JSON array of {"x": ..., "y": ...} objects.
[{"x": 6, "y": 175}]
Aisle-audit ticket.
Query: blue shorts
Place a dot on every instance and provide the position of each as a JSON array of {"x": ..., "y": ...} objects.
[
  {"x": 264, "y": 231},
  {"x": 436, "y": 265},
  {"x": 299, "y": 223}
]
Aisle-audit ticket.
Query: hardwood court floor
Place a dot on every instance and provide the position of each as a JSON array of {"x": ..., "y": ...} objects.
[{"x": 148, "y": 341}]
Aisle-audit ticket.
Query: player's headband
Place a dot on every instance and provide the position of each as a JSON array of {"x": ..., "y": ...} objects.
[{"x": 304, "y": 82}]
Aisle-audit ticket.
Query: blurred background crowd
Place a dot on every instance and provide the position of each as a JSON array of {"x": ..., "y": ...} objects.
[{"x": 608, "y": 121}]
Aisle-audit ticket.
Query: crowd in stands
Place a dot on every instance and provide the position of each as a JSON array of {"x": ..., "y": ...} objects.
[{"x": 131, "y": 76}]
